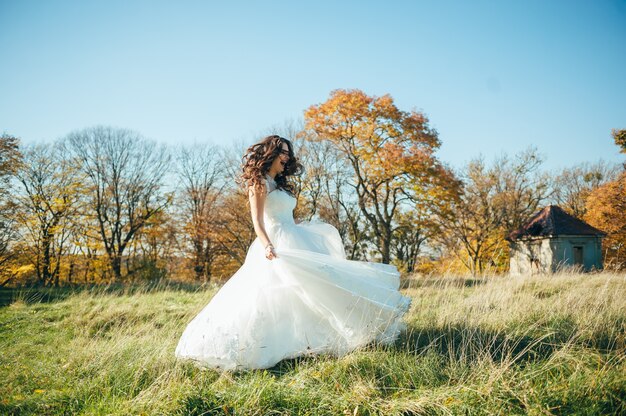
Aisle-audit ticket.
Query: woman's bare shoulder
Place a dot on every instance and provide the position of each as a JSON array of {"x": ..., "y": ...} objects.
[{"x": 257, "y": 190}]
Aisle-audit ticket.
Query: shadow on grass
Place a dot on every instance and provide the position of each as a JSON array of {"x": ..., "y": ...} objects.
[
  {"x": 37, "y": 294},
  {"x": 464, "y": 343},
  {"x": 456, "y": 344},
  {"x": 289, "y": 365}
]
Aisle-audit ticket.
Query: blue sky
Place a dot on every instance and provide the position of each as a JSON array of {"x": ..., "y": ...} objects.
[{"x": 492, "y": 76}]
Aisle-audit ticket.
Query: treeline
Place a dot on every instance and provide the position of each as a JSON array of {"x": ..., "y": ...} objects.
[{"x": 105, "y": 204}]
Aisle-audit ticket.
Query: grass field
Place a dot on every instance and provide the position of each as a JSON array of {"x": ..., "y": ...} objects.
[{"x": 533, "y": 345}]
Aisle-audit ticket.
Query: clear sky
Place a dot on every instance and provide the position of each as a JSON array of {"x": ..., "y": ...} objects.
[{"x": 492, "y": 76}]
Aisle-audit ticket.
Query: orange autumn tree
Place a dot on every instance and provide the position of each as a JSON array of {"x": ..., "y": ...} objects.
[
  {"x": 391, "y": 153},
  {"x": 606, "y": 210}
]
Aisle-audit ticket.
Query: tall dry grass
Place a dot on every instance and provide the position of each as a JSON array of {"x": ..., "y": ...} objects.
[{"x": 493, "y": 345}]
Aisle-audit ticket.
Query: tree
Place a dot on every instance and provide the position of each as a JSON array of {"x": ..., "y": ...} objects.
[
  {"x": 522, "y": 186},
  {"x": 606, "y": 210},
  {"x": 10, "y": 160},
  {"x": 620, "y": 138},
  {"x": 233, "y": 231},
  {"x": 200, "y": 173},
  {"x": 572, "y": 186},
  {"x": 411, "y": 233},
  {"x": 325, "y": 192},
  {"x": 391, "y": 153},
  {"x": 493, "y": 202},
  {"x": 317, "y": 158},
  {"x": 125, "y": 174},
  {"x": 152, "y": 252},
  {"x": 473, "y": 227},
  {"x": 51, "y": 188}
]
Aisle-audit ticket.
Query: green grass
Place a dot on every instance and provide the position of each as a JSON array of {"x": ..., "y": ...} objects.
[{"x": 534, "y": 345}]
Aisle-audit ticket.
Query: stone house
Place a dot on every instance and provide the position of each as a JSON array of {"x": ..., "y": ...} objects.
[{"x": 553, "y": 240}]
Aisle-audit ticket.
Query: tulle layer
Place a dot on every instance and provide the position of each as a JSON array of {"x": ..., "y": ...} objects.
[{"x": 308, "y": 300}]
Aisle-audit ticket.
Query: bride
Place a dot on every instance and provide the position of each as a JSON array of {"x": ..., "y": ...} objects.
[{"x": 296, "y": 293}]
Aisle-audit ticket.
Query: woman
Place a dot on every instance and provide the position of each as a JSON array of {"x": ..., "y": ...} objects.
[{"x": 296, "y": 293}]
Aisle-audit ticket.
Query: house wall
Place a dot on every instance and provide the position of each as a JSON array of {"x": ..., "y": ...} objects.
[
  {"x": 529, "y": 257},
  {"x": 549, "y": 255},
  {"x": 563, "y": 249}
]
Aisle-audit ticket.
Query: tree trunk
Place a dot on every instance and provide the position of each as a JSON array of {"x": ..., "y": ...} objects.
[
  {"x": 385, "y": 246},
  {"x": 116, "y": 265},
  {"x": 70, "y": 271},
  {"x": 198, "y": 264},
  {"x": 46, "y": 276}
]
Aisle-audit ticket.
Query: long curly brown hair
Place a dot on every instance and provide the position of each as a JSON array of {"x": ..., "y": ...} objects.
[{"x": 258, "y": 159}]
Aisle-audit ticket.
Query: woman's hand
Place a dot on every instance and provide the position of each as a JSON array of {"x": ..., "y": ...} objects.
[{"x": 270, "y": 254}]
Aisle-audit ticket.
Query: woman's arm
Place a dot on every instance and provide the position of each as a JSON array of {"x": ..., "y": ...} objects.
[{"x": 257, "y": 203}]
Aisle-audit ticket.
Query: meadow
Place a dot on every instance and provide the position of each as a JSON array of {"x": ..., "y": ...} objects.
[{"x": 538, "y": 345}]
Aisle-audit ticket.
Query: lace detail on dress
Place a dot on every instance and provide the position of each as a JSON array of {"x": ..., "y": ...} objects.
[{"x": 270, "y": 183}]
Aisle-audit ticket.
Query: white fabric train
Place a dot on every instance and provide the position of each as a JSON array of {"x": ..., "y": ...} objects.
[{"x": 309, "y": 300}]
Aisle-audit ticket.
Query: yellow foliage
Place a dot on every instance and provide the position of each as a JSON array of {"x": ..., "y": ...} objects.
[
  {"x": 606, "y": 210},
  {"x": 20, "y": 270}
]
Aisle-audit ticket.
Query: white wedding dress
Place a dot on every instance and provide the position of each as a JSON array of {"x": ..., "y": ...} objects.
[{"x": 309, "y": 300}]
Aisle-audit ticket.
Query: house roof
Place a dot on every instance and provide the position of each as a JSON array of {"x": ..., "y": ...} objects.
[{"x": 552, "y": 221}]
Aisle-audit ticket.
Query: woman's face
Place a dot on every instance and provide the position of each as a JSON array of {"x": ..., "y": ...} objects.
[{"x": 278, "y": 165}]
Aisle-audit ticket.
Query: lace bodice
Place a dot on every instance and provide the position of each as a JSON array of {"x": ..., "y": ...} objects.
[{"x": 279, "y": 205}]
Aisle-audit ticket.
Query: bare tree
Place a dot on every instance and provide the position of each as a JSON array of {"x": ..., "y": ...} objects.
[
  {"x": 235, "y": 231},
  {"x": 10, "y": 160},
  {"x": 125, "y": 172},
  {"x": 51, "y": 189},
  {"x": 200, "y": 170},
  {"x": 412, "y": 230},
  {"x": 326, "y": 191},
  {"x": 521, "y": 186},
  {"x": 572, "y": 186}
]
